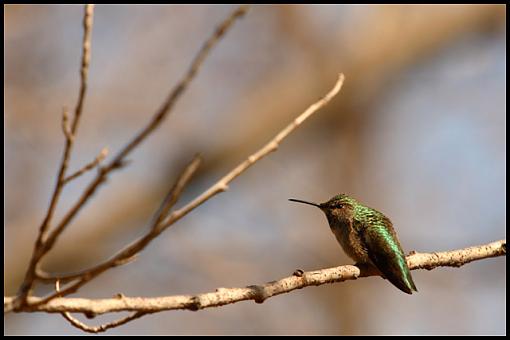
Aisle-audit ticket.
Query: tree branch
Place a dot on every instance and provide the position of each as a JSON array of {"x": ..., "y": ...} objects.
[
  {"x": 119, "y": 159},
  {"x": 272, "y": 145},
  {"x": 258, "y": 293},
  {"x": 42, "y": 245},
  {"x": 176, "y": 191},
  {"x": 45, "y": 242}
]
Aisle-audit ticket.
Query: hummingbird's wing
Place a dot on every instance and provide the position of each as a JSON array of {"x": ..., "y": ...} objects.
[{"x": 385, "y": 252}]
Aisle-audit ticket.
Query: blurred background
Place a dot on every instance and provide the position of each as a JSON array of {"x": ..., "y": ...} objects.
[{"x": 418, "y": 132}]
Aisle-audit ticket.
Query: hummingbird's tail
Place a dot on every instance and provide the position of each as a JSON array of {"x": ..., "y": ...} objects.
[
  {"x": 386, "y": 254},
  {"x": 406, "y": 283},
  {"x": 399, "y": 276}
]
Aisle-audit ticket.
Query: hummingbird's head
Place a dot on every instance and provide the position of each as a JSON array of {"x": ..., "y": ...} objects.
[{"x": 340, "y": 207}]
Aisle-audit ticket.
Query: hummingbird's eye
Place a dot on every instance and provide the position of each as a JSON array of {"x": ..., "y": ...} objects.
[{"x": 339, "y": 206}]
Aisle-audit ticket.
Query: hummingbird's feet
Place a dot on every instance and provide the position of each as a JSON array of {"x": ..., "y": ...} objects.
[
  {"x": 298, "y": 272},
  {"x": 362, "y": 265},
  {"x": 367, "y": 269}
]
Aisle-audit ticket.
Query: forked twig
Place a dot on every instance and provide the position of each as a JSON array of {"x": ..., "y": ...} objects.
[
  {"x": 176, "y": 191},
  {"x": 102, "y": 155},
  {"x": 101, "y": 328},
  {"x": 131, "y": 251}
]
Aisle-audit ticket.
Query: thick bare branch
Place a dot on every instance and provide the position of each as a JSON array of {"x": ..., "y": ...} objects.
[{"x": 258, "y": 293}]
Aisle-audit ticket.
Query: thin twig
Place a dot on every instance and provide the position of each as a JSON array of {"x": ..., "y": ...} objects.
[
  {"x": 272, "y": 145},
  {"x": 176, "y": 191},
  {"x": 101, "y": 328},
  {"x": 41, "y": 245},
  {"x": 66, "y": 127},
  {"x": 104, "y": 327},
  {"x": 258, "y": 293},
  {"x": 183, "y": 84},
  {"x": 102, "y": 155},
  {"x": 85, "y": 61}
]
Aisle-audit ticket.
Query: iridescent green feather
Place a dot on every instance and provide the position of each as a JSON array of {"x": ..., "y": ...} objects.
[{"x": 383, "y": 247}]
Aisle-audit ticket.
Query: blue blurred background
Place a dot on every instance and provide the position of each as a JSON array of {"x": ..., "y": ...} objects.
[{"x": 417, "y": 132}]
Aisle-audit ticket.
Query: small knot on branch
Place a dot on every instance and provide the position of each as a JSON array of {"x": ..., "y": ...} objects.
[
  {"x": 66, "y": 127},
  {"x": 102, "y": 155},
  {"x": 194, "y": 304},
  {"x": 90, "y": 315},
  {"x": 120, "y": 163},
  {"x": 273, "y": 146},
  {"x": 222, "y": 187},
  {"x": 259, "y": 293},
  {"x": 123, "y": 261}
]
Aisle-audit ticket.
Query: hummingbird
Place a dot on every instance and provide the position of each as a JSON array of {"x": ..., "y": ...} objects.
[{"x": 367, "y": 236}]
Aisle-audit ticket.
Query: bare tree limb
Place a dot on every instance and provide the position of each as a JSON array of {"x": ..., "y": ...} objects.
[
  {"x": 44, "y": 241},
  {"x": 272, "y": 145},
  {"x": 158, "y": 118},
  {"x": 41, "y": 245},
  {"x": 258, "y": 293}
]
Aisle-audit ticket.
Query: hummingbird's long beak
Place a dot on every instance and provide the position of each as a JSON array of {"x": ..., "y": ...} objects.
[{"x": 305, "y": 202}]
